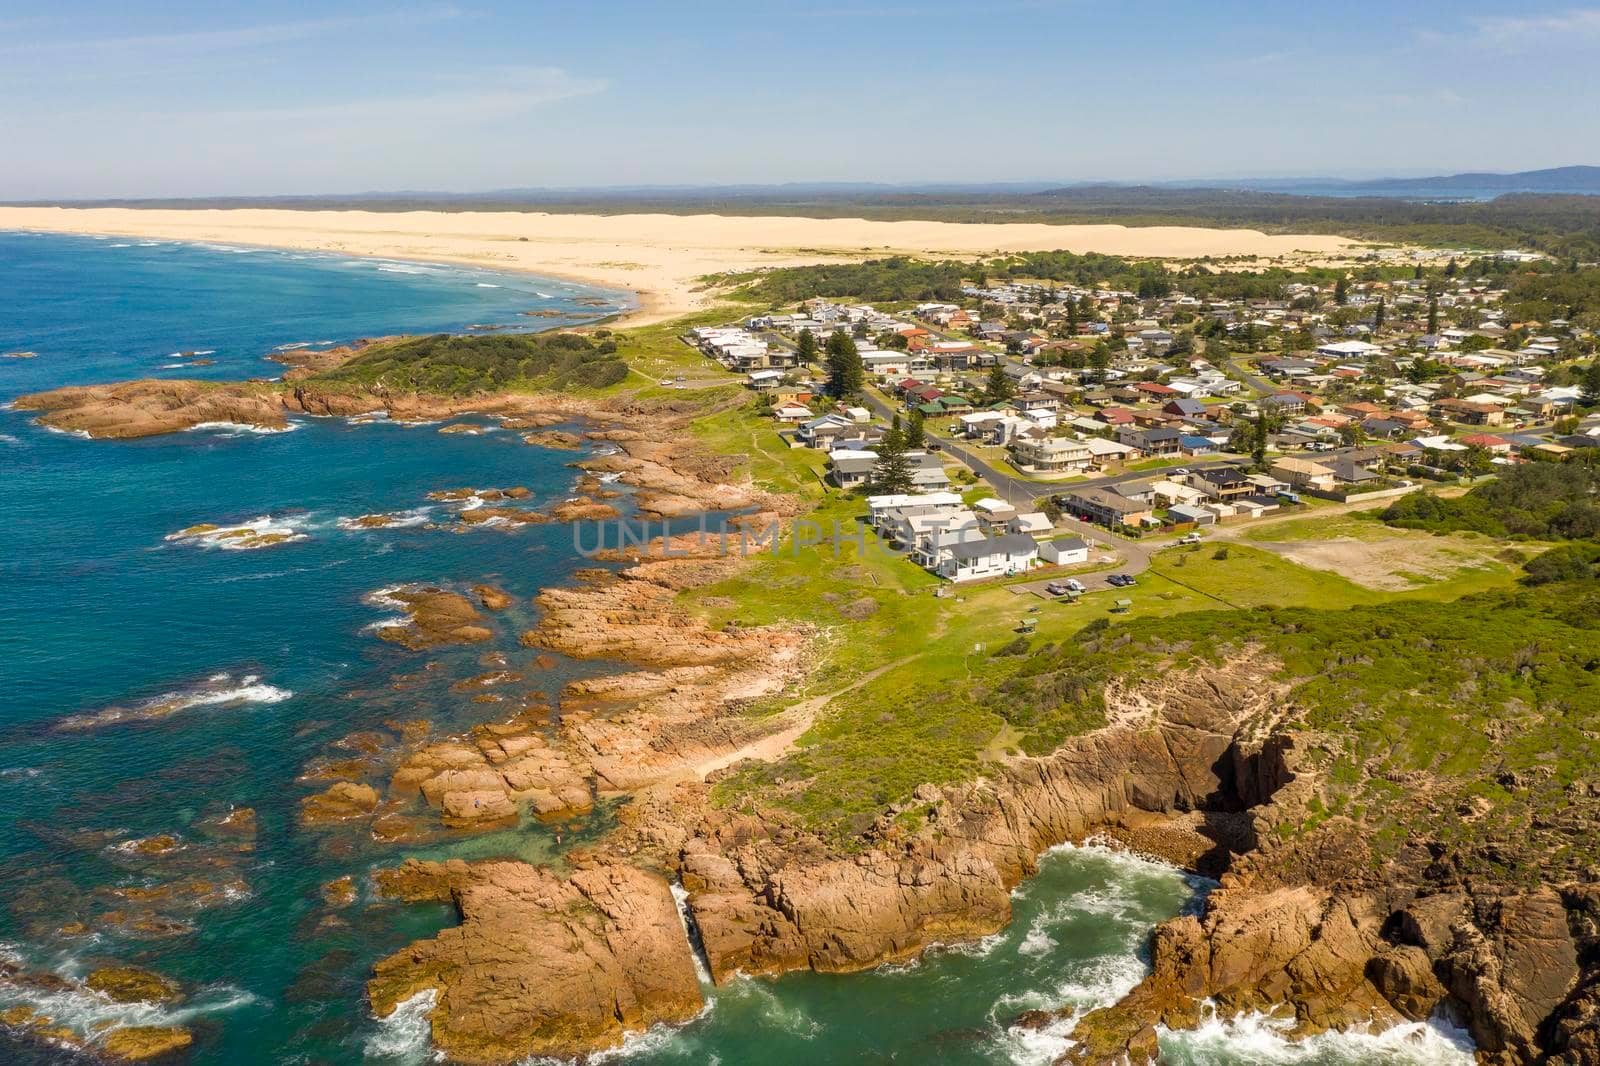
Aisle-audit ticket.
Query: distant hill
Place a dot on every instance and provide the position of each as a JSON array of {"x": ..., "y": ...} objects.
[{"x": 1478, "y": 185}]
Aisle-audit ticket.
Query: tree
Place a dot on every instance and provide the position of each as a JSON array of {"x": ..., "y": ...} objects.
[
  {"x": 916, "y": 435},
  {"x": 1476, "y": 460},
  {"x": 1433, "y": 315},
  {"x": 1352, "y": 435},
  {"x": 1591, "y": 384},
  {"x": 1099, "y": 362},
  {"x": 1378, "y": 315},
  {"x": 892, "y": 474},
  {"x": 999, "y": 387},
  {"x": 845, "y": 373},
  {"x": 1072, "y": 317},
  {"x": 1451, "y": 269},
  {"x": 806, "y": 347},
  {"x": 1341, "y": 291}
]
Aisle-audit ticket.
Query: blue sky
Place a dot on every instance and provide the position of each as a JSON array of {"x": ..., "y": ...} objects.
[{"x": 118, "y": 99}]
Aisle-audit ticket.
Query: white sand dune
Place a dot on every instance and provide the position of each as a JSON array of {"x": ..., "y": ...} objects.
[{"x": 660, "y": 257}]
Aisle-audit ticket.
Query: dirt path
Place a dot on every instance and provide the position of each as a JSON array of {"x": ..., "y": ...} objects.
[{"x": 774, "y": 746}]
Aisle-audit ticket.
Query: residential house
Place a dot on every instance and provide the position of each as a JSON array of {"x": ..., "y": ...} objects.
[
  {"x": 1064, "y": 551},
  {"x": 974, "y": 560},
  {"x": 1108, "y": 508},
  {"x": 1051, "y": 455}
]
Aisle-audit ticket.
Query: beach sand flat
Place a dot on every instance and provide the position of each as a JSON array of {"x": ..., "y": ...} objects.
[{"x": 661, "y": 258}]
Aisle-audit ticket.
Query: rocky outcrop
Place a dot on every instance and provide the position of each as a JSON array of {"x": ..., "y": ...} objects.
[
  {"x": 434, "y": 617},
  {"x": 768, "y": 898},
  {"x": 149, "y": 408},
  {"x": 129, "y": 984},
  {"x": 141, "y": 1043},
  {"x": 541, "y": 964},
  {"x": 343, "y": 801},
  {"x": 1312, "y": 923}
]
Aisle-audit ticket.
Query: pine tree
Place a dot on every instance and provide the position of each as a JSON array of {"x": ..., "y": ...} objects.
[
  {"x": 1433, "y": 316},
  {"x": 1099, "y": 361},
  {"x": 999, "y": 388},
  {"x": 1591, "y": 384},
  {"x": 916, "y": 434},
  {"x": 1341, "y": 291},
  {"x": 845, "y": 373},
  {"x": 1258, "y": 446},
  {"x": 892, "y": 474},
  {"x": 1378, "y": 315},
  {"x": 806, "y": 347},
  {"x": 1451, "y": 269}
]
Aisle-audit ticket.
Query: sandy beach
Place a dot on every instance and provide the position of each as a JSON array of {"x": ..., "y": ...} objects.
[{"x": 660, "y": 258}]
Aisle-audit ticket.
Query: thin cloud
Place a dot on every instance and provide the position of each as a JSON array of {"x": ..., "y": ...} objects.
[
  {"x": 490, "y": 96},
  {"x": 257, "y": 36},
  {"x": 1517, "y": 32}
]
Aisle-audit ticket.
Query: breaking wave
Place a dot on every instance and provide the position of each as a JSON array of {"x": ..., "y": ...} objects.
[
  {"x": 218, "y": 690},
  {"x": 1261, "y": 1039}
]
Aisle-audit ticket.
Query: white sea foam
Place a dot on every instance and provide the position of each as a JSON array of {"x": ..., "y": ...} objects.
[
  {"x": 6, "y": 438},
  {"x": 292, "y": 346},
  {"x": 91, "y": 1014},
  {"x": 486, "y": 285},
  {"x": 240, "y": 429},
  {"x": 81, "y": 434},
  {"x": 245, "y": 536},
  {"x": 680, "y": 896},
  {"x": 1261, "y": 1039},
  {"x": 403, "y": 1037},
  {"x": 396, "y": 520},
  {"x": 119, "y": 246}
]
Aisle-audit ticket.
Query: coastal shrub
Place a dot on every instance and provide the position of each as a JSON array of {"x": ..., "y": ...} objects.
[
  {"x": 456, "y": 365},
  {"x": 1569, "y": 562},
  {"x": 1544, "y": 500}
]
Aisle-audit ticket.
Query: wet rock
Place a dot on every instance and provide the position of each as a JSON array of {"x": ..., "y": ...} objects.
[
  {"x": 435, "y": 617},
  {"x": 142, "y": 1043},
  {"x": 342, "y": 801},
  {"x": 492, "y": 598},
  {"x": 129, "y": 984},
  {"x": 340, "y": 892}
]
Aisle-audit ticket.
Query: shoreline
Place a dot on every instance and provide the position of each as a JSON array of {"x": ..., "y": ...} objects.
[{"x": 660, "y": 259}]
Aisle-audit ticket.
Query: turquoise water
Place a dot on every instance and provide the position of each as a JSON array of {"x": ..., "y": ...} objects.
[{"x": 271, "y": 652}]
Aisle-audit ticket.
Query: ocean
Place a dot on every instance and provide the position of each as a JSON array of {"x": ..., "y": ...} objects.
[{"x": 263, "y": 659}]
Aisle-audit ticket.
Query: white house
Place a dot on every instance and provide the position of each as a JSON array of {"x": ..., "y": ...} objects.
[
  {"x": 974, "y": 560},
  {"x": 1066, "y": 551}
]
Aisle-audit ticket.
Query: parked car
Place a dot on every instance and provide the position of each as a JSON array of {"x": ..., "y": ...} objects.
[
  {"x": 1189, "y": 538},
  {"x": 1074, "y": 584},
  {"x": 1058, "y": 588},
  {"x": 1120, "y": 580}
]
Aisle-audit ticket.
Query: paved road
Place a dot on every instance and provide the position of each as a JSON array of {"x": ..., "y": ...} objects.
[{"x": 1255, "y": 381}]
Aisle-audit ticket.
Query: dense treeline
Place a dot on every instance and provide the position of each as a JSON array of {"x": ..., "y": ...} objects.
[
  {"x": 1541, "y": 500},
  {"x": 900, "y": 279},
  {"x": 449, "y": 364},
  {"x": 894, "y": 279},
  {"x": 1556, "y": 291}
]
